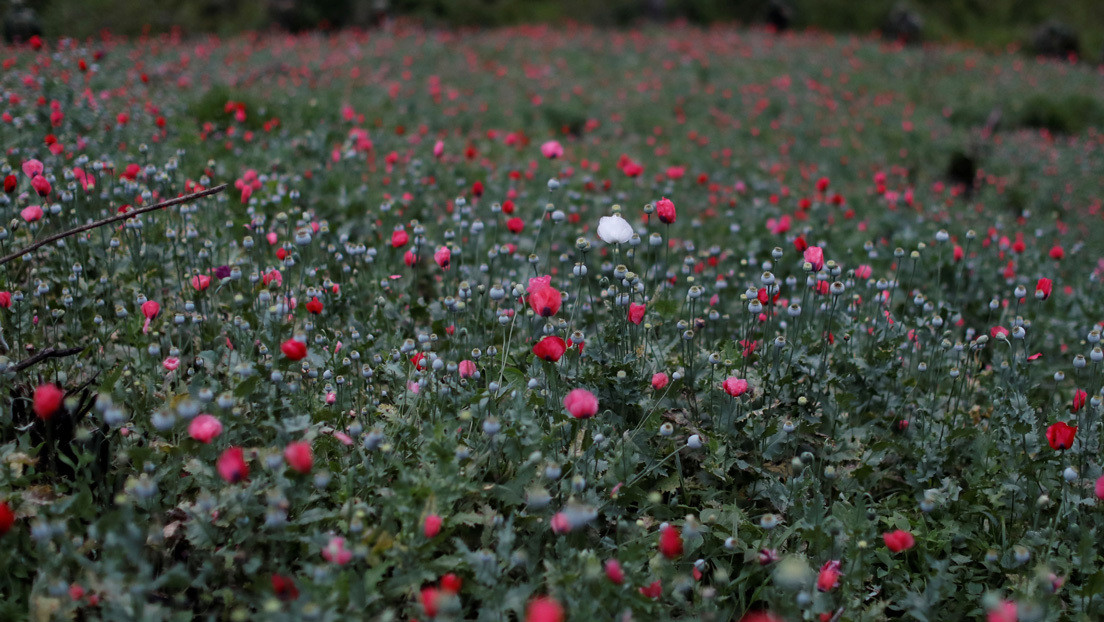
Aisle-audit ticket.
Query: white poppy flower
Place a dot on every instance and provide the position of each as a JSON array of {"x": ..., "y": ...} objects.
[{"x": 614, "y": 229}]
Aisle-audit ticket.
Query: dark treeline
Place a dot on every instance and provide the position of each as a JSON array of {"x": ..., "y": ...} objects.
[{"x": 1035, "y": 25}]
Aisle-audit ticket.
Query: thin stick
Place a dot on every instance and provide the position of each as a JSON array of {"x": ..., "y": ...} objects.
[
  {"x": 48, "y": 353},
  {"x": 107, "y": 221}
]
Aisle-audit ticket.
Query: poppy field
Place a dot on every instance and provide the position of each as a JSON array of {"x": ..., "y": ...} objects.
[{"x": 550, "y": 324}]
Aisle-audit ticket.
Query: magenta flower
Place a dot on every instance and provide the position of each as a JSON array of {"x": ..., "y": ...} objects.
[
  {"x": 32, "y": 168},
  {"x": 205, "y": 428},
  {"x": 815, "y": 256},
  {"x": 552, "y": 149},
  {"x": 735, "y": 386},
  {"x": 231, "y": 465},
  {"x": 336, "y": 553},
  {"x": 467, "y": 368},
  {"x": 582, "y": 404},
  {"x": 201, "y": 282},
  {"x": 31, "y": 213},
  {"x": 442, "y": 257}
]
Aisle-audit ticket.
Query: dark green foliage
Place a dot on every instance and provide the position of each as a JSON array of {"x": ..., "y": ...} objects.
[{"x": 1063, "y": 115}]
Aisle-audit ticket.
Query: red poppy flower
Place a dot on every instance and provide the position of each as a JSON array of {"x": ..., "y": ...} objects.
[
  {"x": 294, "y": 349},
  {"x": 7, "y": 518},
  {"x": 550, "y": 348},
  {"x": 545, "y": 300},
  {"x": 899, "y": 540},
  {"x": 1060, "y": 435},
  {"x": 284, "y": 587},
  {"x": 670, "y": 542},
  {"x": 47, "y": 400},
  {"x": 231, "y": 465},
  {"x": 1043, "y": 288},
  {"x": 665, "y": 210},
  {"x": 299, "y": 456}
]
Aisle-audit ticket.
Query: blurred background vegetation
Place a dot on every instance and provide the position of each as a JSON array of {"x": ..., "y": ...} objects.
[{"x": 989, "y": 23}]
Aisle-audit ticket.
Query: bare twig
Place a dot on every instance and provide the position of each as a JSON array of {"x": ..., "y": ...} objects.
[
  {"x": 107, "y": 221},
  {"x": 48, "y": 353}
]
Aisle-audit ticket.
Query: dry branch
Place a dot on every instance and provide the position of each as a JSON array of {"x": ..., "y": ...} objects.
[
  {"x": 107, "y": 221},
  {"x": 48, "y": 353}
]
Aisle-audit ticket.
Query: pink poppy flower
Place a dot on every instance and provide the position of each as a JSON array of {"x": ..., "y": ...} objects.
[
  {"x": 299, "y": 456},
  {"x": 31, "y": 213},
  {"x": 336, "y": 553},
  {"x": 665, "y": 210},
  {"x": 231, "y": 465},
  {"x": 467, "y": 369},
  {"x": 432, "y": 526},
  {"x": 735, "y": 386},
  {"x": 552, "y": 149},
  {"x": 204, "y": 428},
  {"x": 899, "y": 540},
  {"x": 443, "y": 256},
  {"x": 32, "y": 168},
  {"x": 582, "y": 404},
  {"x": 201, "y": 282},
  {"x": 815, "y": 256}
]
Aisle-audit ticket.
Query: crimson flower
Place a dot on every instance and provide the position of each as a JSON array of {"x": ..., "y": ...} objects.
[
  {"x": 7, "y": 518},
  {"x": 47, "y": 400},
  {"x": 670, "y": 542},
  {"x": 544, "y": 609},
  {"x": 1060, "y": 435},
  {"x": 231, "y": 465},
  {"x": 432, "y": 526},
  {"x": 294, "y": 349},
  {"x": 284, "y": 587},
  {"x": 829, "y": 575},
  {"x": 299, "y": 456},
  {"x": 1043, "y": 288},
  {"x": 550, "y": 348},
  {"x": 899, "y": 540},
  {"x": 665, "y": 210},
  {"x": 545, "y": 301}
]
